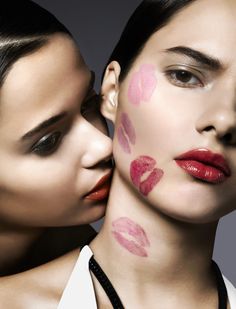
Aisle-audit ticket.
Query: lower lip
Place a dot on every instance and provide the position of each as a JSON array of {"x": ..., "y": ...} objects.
[
  {"x": 123, "y": 229},
  {"x": 101, "y": 190},
  {"x": 202, "y": 171},
  {"x": 99, "y": 195}
]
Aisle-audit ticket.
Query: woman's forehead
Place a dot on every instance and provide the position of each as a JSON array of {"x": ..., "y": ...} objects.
[
  {"x": 205, "y": 25},
  {"x": 42, "y": 84},
  {"x": 44, "y": 73}
]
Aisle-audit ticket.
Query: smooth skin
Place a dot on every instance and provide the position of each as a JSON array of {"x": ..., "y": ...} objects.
[
  {"x": 45, "y": 175},
  {"x": 193, "y": 106}
]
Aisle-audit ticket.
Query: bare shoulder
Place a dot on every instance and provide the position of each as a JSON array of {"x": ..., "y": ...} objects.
[{"x": 40, "y": 287}]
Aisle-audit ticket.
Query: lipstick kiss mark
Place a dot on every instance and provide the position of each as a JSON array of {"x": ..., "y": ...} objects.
[
  {"x": 130, "y": 236},
  {"x": 142, "y": 84},
  {"x": 141, "y": 166},
  {"x": 126, "y": 133}
]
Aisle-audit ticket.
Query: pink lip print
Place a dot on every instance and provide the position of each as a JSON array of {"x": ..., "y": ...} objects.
[
  {"x": 142, "y": 84},
  {"x": 131, "y": 236},
  {"x": 126, "y": 133},
  {"x": 141, "y": 166}
]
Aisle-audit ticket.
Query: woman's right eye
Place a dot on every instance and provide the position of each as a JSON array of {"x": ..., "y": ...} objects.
[{"x": 47, "y": 145}]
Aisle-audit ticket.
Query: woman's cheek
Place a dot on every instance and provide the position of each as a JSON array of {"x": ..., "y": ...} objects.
[
  {"x": 126, "y": 134},
  {"x": 142, "y": 85},
  {"x": 143, "y": 170}
]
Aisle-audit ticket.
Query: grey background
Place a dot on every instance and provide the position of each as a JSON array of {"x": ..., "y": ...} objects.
[{"x": 96, "y": 26}]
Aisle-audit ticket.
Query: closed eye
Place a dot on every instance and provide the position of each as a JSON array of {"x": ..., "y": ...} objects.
[{"x": 48, "y": 144}]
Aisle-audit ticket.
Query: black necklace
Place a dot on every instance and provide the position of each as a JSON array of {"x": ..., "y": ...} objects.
[
  {"x": 115, "y": 299},
  {"x": 105, "y": 283}
]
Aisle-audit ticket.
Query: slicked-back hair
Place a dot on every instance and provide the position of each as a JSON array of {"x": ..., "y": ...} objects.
[
  {"x": 149, "y": 17},
  {"x": 24, "y": 28}
]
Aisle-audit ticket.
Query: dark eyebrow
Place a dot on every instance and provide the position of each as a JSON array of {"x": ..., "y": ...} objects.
[
  {"x": 43, "y": 125},
  {"x": 212, "y": 63},
  {"x": 49, "y": 122}
]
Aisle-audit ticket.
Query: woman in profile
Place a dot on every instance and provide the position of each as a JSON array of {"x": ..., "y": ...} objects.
[
  {"x": 170, "y": 91},
  {"x": 54, "y": 155}
]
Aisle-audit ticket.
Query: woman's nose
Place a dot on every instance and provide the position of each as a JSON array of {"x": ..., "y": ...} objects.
[
  {"x": 98, "y": 148},
  {"x": 220, "y": 121}
]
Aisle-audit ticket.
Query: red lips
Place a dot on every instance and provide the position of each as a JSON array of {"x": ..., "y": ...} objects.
[
  {"x": 204, "y": 165},
  {"x": 140, "y": 166},
  {"x": 101, "y": 189}
]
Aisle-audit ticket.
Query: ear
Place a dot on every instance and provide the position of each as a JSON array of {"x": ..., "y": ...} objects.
[{"x": 110, "y": 91}]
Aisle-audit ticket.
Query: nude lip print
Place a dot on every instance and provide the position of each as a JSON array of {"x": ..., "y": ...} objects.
[
  {"x": 131, "y": 236},
  {"x": 139, "y": 168},
  {"x": 126, "y": 133},
  {"x": 142, "y": 85}
]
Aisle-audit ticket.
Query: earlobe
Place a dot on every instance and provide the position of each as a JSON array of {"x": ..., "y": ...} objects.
[{"x": 110, "y": 91}]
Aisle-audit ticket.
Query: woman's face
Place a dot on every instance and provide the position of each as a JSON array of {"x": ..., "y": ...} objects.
[
  {"x": 53, "y": 147},
  {"x": 175, "y": 128}
]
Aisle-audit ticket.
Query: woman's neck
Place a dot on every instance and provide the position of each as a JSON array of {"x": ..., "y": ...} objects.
[
  {"x": 158, "y": 253},
  {"x": 14, "y": 244}
]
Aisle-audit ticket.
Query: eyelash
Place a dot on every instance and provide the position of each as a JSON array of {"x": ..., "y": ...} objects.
[
  {"x": 172, "y": 76},
  {"x": 47, "y": 145}
]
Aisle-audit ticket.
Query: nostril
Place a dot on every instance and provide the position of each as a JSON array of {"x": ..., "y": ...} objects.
[{"x": 209, "y": 128}]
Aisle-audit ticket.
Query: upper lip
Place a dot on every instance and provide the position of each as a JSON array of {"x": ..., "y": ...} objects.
[
  {"x": 207, "y": 157},
  {"x": 103, "y": 180}
]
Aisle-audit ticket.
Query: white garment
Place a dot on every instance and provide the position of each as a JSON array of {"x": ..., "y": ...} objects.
[{"x": 79, "y": 292}]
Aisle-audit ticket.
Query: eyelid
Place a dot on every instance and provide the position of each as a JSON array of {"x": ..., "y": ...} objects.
[
  {"x": 174, "y": 81},
  {"x": 57, "y": 135},
  {"x": 191, "y": 69}
]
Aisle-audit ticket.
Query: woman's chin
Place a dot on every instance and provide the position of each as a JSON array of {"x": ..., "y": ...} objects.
[{"x": 190, "y": 207}]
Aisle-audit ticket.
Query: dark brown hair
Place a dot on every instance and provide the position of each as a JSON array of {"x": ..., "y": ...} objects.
[
  {"x": 150, "y": 16},
  {"x": 24, "y": 28}
]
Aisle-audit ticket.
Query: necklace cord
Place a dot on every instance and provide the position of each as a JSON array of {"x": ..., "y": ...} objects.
[
  {"x": 116, "y": 301},
  {"x": 105, "y": 283},
  {"x": 222, "y": 291}
]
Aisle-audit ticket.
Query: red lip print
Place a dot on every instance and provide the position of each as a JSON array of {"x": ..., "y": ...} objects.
[
  {"x": 126, "y": 133},
  {"x": 123, "y": 141},
  {"x": 128, "y": 127},
  {"x": 142, "y": 84},
  {"x": 141, "y": 166},
  {"x": 130, "y": 236}
]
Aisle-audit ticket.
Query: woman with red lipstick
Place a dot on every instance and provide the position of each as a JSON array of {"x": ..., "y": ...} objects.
[
  {"x": 54, "y": 155},
  {"x": 169, "y": 89}
]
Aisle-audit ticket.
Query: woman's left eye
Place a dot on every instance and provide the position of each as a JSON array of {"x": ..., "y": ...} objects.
[
  {"x": 47, "y": 145},
  {"x": 183, "y": 78}
]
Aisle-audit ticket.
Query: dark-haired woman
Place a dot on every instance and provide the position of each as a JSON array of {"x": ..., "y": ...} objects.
[
  {"x": 170, "y": 92},
  {"x": 54, "y": 154}
]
